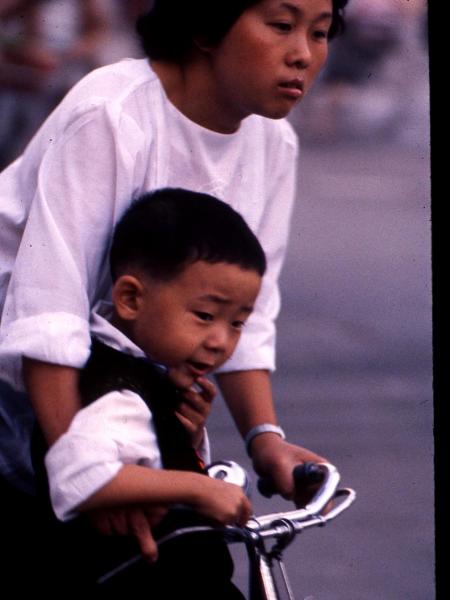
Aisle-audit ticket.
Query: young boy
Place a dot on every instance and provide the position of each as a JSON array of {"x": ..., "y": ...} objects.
[{"x": 186, "y": 273}]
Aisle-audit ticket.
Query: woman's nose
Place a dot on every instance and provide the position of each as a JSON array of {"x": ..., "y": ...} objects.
[{"x": 299, "y": 54}]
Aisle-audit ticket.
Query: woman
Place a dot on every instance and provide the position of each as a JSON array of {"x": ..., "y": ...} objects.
[{"x": 202, "y": 113}]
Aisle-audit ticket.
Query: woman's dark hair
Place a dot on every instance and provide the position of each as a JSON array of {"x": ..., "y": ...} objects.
[
  {"x": 168, "y": 29},
  {"x": 165, "y": 230}
]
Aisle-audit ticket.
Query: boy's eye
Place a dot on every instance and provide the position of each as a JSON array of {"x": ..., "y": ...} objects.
[
  {"x": 321, "y": 34},
  {"x": 203, "y": 316},
  {"x": 238, "y": 324}
]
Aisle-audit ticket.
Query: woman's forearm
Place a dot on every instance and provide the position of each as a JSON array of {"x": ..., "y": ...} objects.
[
  {"x": 248, "y": 395},
  {"x": 53, "y": 392}
]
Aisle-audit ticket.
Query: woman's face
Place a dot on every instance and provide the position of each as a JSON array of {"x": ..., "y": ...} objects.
[{"x": 268, "y": 60}]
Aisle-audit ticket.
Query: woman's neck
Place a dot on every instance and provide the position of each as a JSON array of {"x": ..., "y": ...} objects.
[{"x": 192, "y": 90}]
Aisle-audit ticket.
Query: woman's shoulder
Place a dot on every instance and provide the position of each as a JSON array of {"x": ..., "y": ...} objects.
[
  {"x": 119, "y": 94},
  {"x": 114, "y": 83}
]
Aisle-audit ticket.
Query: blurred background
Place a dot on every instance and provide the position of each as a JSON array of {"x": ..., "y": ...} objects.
[{"x": 354, "y": 377}]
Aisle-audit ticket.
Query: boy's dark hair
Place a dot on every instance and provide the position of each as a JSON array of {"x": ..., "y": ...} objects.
[
  {"x": 169, "y": 29},
  {"x": 167, "y": 229}
]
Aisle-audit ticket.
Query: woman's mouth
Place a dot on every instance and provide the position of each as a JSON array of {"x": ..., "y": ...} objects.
[{"x": 293, "y": 89}]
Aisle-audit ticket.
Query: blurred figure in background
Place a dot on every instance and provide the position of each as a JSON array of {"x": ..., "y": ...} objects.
[
  {"x": 121, "y": 40},
  {"x": 365, "y": 87},
  {"x": 45, "y": 47}
]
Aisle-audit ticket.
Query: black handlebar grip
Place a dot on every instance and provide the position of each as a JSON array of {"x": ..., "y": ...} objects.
[{"x": 305, "y": 474}]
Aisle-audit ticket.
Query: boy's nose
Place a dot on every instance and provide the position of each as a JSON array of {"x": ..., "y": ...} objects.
[{"x": 218, "y": 340}]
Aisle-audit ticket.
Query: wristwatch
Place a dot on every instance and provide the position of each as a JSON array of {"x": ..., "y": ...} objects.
[{"x": 263, "y": 428}]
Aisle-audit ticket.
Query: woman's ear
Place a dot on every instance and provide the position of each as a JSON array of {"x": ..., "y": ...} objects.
[{"x": 127, "y": 295}]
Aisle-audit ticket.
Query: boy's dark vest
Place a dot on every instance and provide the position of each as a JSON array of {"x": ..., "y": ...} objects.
[{"x": 108, "y": 370}]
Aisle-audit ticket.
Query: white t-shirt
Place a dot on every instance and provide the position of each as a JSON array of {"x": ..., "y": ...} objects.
[
  {"x": 115, "y": 430},
  {"x": 113, "y": 137}
]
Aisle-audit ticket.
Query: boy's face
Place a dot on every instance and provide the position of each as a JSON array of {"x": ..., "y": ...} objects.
[
  {"x": 268, "y": 60},
  {"x": 192, "y": 323}
]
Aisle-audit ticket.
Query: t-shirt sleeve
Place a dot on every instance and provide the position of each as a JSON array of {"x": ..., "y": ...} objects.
[
  {"x": 256, "y": 348},
  {"x": 115, "y": 430},
  {"x": 84, "y": 183}
]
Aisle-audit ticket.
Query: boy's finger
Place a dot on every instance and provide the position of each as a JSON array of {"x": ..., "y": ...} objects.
[
  {"x": 140, "y": 529},
  {"x": 155, "y": 514},
  {"x": 118, "y": 521},
  {"x": 209, "y": 390},
  {"x": 194, "y": 403},
  {"x": 246, "y": 512},
  {"x": 185, "y": 421},
  {"x": 100, "y": 520}
]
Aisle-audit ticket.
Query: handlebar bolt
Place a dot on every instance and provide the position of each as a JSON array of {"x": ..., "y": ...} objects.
[{"x": 322, "y": 520}]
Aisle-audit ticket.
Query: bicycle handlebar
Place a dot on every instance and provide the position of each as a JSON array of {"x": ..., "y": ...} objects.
[
  {"x": 275, "y": 525},
  {"x": 320, "y": 500}
]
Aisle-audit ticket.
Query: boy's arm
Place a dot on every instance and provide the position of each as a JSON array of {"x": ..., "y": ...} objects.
[
  {"x": 249, "y": 398},
  {"x": 109, "y": 457},
  {"x": 222, "y": 502},
  {"x": 53, "y": 391}
]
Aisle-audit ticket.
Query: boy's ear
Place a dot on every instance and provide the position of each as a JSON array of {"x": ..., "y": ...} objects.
[{"x": 127, "y": 295}]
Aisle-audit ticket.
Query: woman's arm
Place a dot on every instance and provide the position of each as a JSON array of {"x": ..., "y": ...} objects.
[
  {"x": 249, "y": 398},
  {"x": 53, "y": 392}
]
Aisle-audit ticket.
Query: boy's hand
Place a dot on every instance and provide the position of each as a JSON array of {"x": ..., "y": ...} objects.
[
  {"x": 275, "y": 458},
  {"x": 135, "y": 521},
  {"x": 194, "y": 409},
  {"x": 222, "y": 502}
]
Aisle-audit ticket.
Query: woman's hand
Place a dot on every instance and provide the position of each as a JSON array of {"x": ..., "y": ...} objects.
[
  {"x": 194, "y": 409},
  {"x": 273, "y": 457}
]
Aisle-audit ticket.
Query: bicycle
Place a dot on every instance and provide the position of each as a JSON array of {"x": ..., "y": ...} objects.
[{"x": 281, "y": 527}]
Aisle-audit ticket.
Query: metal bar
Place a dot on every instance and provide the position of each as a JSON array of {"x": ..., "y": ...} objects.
[
  {"x": 275, "y": 529},
  {"x": 285, "y": 578},
  {"x": 317, "y": 504},
  {"x": 267, "y": 578}
]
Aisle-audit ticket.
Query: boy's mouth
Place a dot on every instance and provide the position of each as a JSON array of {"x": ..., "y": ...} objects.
[{"x": 199, "y": 368}]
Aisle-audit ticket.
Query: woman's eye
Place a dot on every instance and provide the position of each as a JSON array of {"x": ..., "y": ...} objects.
[{"x": 282, "y": 26}]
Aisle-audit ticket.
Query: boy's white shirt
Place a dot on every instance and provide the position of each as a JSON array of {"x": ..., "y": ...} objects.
[{"x": 115, "y": 430}]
